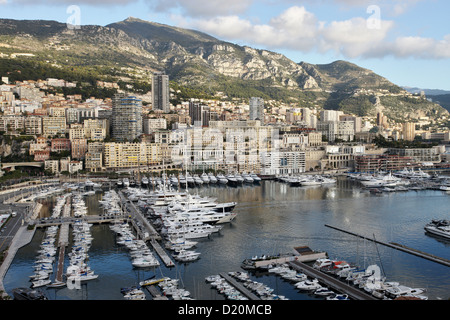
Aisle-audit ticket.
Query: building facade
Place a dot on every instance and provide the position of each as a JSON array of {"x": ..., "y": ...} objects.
[
  {"x": 256, "y": 109},
  {"x": 160, "y": 92},
  {"x": 126, "y": 118}
]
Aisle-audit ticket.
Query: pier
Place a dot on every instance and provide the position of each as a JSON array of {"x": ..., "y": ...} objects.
[
  {"x": 155, "y": 293},
  {"x": 239, "y": 286},
  {"x": 400, "y": 247},
  {"x": 148, "y": 233},
  {"x": 162, "y": 253},
  {"x": 331, "y": 282}
]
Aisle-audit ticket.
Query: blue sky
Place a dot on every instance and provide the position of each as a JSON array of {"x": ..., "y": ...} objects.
[{"x": 406, "y": 41}]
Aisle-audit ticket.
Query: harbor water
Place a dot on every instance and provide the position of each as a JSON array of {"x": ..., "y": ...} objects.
[{"x": 273, "y": 218}]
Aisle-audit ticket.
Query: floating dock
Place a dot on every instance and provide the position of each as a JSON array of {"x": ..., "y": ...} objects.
[
  {"x": 155, "y": 293},
  {"x": 240, "y": 287},
  {"x": 400, "y": 247},
  {"x": 331, "y": 282},
  {"x": 162, "y": 253}
]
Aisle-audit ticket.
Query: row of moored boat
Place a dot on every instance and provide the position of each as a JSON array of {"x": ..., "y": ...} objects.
[{"x": 195, "y": 180}]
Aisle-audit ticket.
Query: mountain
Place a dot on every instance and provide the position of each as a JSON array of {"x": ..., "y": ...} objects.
[
  {"x": 428, "y": 92},
  {"x": 441, "y": 99},
  {"x": 132, "y": 49}
]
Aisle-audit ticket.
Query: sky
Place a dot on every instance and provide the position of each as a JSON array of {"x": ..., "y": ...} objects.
[{"x": 406, "y": 41}]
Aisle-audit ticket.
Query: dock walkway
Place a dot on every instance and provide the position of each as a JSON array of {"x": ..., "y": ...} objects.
[
  {"x": 162, "y": 253},
  {"x": 400, "y": 247},
  {"x": 331, "y": 282},
  {"x": 240, "y": 287},
  {"x": 155, "y": 293},
  {"x": 21, "y": 238},
  {"x": 152, "y": 234}
]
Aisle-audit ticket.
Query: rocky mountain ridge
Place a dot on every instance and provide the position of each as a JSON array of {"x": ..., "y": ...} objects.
[{"x": 134, "y": 48}]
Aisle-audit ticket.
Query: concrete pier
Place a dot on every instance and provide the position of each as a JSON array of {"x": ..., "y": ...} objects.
[
  {"x": 22, "y": 238},
  {"x": 331, "y": 282},
  {"x": 400, "y": 247},
  {"x": 239, "y": 286}
]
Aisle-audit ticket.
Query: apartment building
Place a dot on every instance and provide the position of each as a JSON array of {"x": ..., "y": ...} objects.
[
  {"x": 33, "y": 125},
  {"x": 12, "y": 123},
  {"x": 54, "y": 126},
  {"x": 60, "y": 144},
  {"x": 332, "y": 130},
  {"x": 283, "y": 163},
  {"x": 79, "y": 148},
  {"x": 126, "y": 118},
  {"x": 160, "y": 92},
  {"x": 131, "y": 155}
]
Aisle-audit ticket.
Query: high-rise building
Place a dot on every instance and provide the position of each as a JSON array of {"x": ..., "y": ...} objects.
[
  {"x": 330, "y": 115},
  {"x": 257, "y": 109},
  {"x": 160, "y": 92},
  {"x": 200, "y": 114},
  {"x": 409, "y": 131},
  {"x": 126, "y": 117}
]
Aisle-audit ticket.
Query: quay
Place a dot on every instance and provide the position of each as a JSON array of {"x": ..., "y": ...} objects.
[
  {"x": 63, "y": 241},
  {"x": 400, "y": 247},
  {"x": 239, "y": 286},
  {"x": 162, "y": 253},
  {"x": 155, "y": 293},
  {"x": 21, "y": 239},
  {"x": 331, "y": 282},
  {"x": 150, "y": 233}
]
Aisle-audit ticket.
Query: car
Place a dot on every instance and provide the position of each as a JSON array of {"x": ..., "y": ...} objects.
[{"x": 13, "y": 214}]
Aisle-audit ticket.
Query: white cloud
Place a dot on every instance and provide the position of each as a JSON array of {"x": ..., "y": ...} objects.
[
  {"x": 201, "y": 8},
  {"x": 354, "y": 37},
  {"x": 71, "y": 2},
  {"x": 295, "y": 28},
  {"x": 298, "y": 29},
  {"x": 422, "y": 48}
]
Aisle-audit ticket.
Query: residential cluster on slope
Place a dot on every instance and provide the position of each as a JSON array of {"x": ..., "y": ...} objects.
[{"x": 69, "y": 134}]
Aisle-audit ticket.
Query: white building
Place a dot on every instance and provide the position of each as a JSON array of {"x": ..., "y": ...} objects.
[
  {"x": 154, "y": 124},
  {"x": 283, "y": 163},
  {"x": 256, "y": 109}
]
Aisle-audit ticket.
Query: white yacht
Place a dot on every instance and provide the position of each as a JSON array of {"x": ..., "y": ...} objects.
[
  {"x": 198, "y": 180},
  {"x": 188, "y": 233},
  {"x": 256, "y": 179},
  {"x": 402, "y": 291},
  {"x": 178, "y": 244},
  {"x": 310, "y": 182},
  {"x": 205, "y": 178},
  {"x": 187, "y": 255},
  {"x": 439, "y": 228},
  {"x": 200, "y": 202},
  {"x": 173, "y": 180},
  {"x": 308, "y": 285},
  {"x": 232, "y": 179},
  {"x": 247, "y": 178},
  {"x": 212, "y": 178},
  {"x": 382, "y": 181},
  {"x": 40, "y": 283},
  {"x": 190, "y": 181},
  {"x": 239, "y": 178},
  {"x": 222, "y": 179},
  {"x": 135, "y": 294},
  {"x": 182, "y": 180},
  {"x": 145, "y": 261}
]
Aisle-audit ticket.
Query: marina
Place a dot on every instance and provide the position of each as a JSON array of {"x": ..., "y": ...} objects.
[{"x": 246, "y": 236}]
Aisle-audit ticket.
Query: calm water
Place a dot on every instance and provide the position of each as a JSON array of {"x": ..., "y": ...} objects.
[{"x": 274, "y": 218}]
